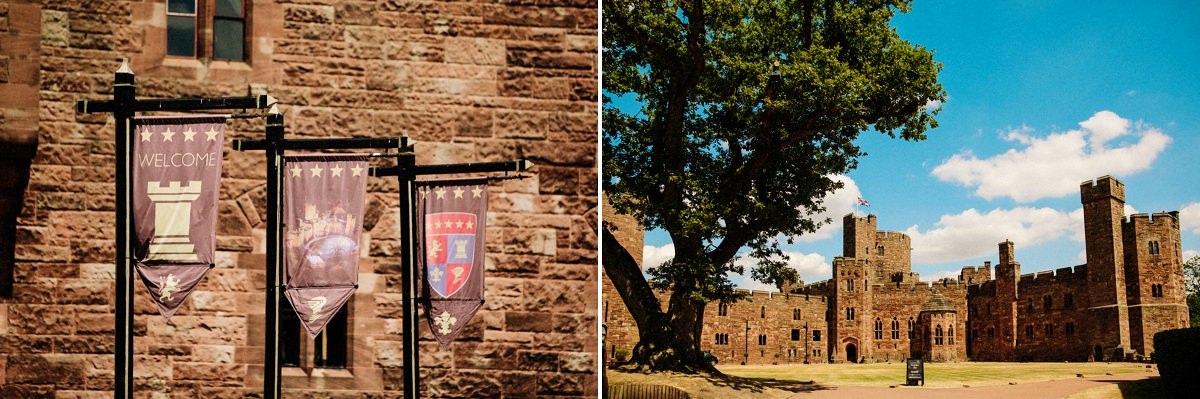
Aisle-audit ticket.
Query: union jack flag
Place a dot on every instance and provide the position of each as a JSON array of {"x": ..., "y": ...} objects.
[{"x": 863, "y": 202}]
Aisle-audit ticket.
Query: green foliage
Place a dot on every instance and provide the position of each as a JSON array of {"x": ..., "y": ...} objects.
[
  {"x": 1191, "y": 280},
  {"x": 747, "y": 110},
  {"x": 1178, "y": 358},
  {"x": 621, "y": 355}
]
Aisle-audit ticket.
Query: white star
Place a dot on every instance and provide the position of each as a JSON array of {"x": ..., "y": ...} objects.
[
  {"x": 167, "y": 135},
  {"x": 296, "y": 171},
  {"x": 458, "y": 192},
  {"x": 356, "y": 170},
  {"x": 458, "y": 224},
  {"x": 476, "y": 191},
  {"x": 336, "y": 169},
  {"x": 470, "y": 225},
  {"x": 424, "y": 194},
  {"x": 441, "y": 193},
  {"x": 189, "y": 134},
  {"x": 316, "y": 171},
  {"x": 211, "y": 134},
  {"x": 437, "y": 224},
  {"x": 146, "y": 133}
]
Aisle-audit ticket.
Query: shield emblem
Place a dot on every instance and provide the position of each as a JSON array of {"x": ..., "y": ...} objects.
[{"x": 449, "y": 250}]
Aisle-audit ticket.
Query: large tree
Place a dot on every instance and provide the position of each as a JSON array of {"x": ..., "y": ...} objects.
[{"x": 747, "y": 108}]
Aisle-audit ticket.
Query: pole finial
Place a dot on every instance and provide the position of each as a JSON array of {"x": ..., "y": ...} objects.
[
  {"x": 124, "y": 66},
  {"x": 274, "y": 109}
]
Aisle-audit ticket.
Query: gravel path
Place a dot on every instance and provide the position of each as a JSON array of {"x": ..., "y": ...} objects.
[{"x": 1032, "y": 390}]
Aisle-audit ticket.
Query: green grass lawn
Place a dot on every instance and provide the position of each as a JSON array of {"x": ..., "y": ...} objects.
[{"x": 936, "y": 374}]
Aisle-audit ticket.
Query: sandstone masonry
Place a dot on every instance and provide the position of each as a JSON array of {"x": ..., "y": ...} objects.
[{"x": 469, "y": 81}]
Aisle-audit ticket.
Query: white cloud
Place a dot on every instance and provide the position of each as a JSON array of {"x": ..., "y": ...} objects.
[
  {"x": 933, "y": 105},
  {"x": 837, "y": 204},
  {"x": 1189, "y": 254},
  {"x": 935, "y": 276},
  {"x": 653, "y": 256},
  {"x": 1189, "y": 218},
  {"x": 811, "y": 267},
  {"x": 1054, "y": 165},
  {"x": 972, "y": 234}
]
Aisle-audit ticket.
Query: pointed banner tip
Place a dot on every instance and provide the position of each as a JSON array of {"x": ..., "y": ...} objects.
[
  {"x": 271, "y": 100},
  {"x": 274, "y": 107},
  {"x": 124, "y": 66},
  {"x": 525, "y": 165}
]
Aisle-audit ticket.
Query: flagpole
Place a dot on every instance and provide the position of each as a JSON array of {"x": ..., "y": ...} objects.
[
  {"x": 272, "y": 365},
  {"x": 124, "y": 94}
]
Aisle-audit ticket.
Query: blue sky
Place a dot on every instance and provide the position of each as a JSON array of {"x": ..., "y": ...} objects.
[{"x": 1042, "y": 95}]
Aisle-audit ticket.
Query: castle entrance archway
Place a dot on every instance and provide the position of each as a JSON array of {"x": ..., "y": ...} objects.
[{"x": 851, "y": 353}]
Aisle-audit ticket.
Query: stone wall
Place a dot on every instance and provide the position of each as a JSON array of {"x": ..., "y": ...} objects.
[{"x": 469, "y": 81}]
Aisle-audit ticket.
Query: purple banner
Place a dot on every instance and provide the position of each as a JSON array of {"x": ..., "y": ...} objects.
[
  {"x": 176, "y": 182},
  {"x": 451, "y": 215},
  {"x": 323, "y": 197}
]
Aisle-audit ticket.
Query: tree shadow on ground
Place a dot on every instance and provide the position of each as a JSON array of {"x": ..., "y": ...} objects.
[
  {"x": 1152, "y": 387},
  {"x": 757, "y": 384}
]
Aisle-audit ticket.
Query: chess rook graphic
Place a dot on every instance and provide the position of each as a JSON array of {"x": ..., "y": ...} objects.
[{"x": 172, "y": 220}]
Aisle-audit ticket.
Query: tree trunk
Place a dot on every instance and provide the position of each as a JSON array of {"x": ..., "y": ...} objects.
[{"x": 667, "y": 340}]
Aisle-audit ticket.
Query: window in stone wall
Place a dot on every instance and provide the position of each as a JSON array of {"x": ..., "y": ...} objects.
[
  {"x": 181, "y": 28},
  {"x": 722, "y": 309},
  {"x": 1156, "y": 290},
  {"x": 1049, "y": 329},
  {"x": 850, "y": 285},
  {"x": 229, "y": 30},
  {"x": 1068, "y": 300},
  {"x": 1029, "y": 306},
  {"x": 762, "y": 339},
  {"x": 1153, "y": 247},
  {"x": 937, "y": 335},
  {"x": 895, "y": 328},
  {"x": 849, "y": 313},
  {"x": 816, "y": 334},
  {"x": 1047, "y": 302},
  {"x": 763, "y": 313},
  {"x": 1070, "y": 328},
  {"x": 878, "y": 328},
  {"x": 188, "y": 28},
  {"x": 795, "y": 334},
  {"x": 912, "y": 331},
  {"x": 880, "y": 250},
  {"x": 328, "y": 350},
  {"x": 1029, "y": 330},
  {"x": 991, "y": 332},
  {"x": 795, "y": 314}
]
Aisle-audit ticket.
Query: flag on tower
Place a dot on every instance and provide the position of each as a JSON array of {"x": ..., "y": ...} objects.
[
  {"x": 450, "y": 224},
  {"x": 323, "y": 198},
  {"x": 863, "y": 202},
  {"x": 176, "y": 183}
]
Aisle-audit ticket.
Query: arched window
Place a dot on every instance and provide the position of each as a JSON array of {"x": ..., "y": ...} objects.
[
  {"x": 937, "y": 335},
  {"x": 1068, "y": 300},
  {"x": 1047, "y": 302},
  {"x": 911, "y": 328},
  {"x": 722, "y": 309},
  {"x": 763, "y": 312},
  {"x": 895, "y": 328},
  {"x": 878, "y": 328},
  {"x": 1153, "y": 247},
  {"x": 950, "y": 334},
  {"x": 795, "y": 314}
]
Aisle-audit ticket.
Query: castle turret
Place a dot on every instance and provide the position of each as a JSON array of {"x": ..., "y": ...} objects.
[
  {"x": 1103, "y": 210},
  {"x": 1008, "y": 276},
  {"x": 1153, "y": 277},
  {"x": 851, "y": 310},
  {"x": 858, "y": 236}
]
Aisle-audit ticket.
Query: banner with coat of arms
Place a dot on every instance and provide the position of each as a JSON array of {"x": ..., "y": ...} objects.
[
  {"x": 451, "y": 215},
  {"x": 176, "y": 182},
  {"x": 323, "y": 198}
]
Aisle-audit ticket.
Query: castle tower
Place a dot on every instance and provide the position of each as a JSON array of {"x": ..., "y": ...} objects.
[
  {"x": 858, "y": 236},
  {"x": 935, "y": 338},
  {"x": 1153, "y": 277},
  {"x": 850, "y": 320},
  {"x": 1008, "y": 275},
  {"x": 1103, "y": 210}
]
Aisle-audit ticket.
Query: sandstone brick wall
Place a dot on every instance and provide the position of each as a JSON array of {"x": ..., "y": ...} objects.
[{"x": 469, "y": 81}]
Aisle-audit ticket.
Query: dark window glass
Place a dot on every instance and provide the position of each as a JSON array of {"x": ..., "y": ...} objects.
[
  {"x": 181, "y": 6},
  {"x": 289, "y": 331},
  {"x": 181, "y": 35},
  {"x": 816, "y": 335},
  {"x": 229, "y": 31},
  {"x": 329, "y": 350},
  {"x": 795, "y": 334}
]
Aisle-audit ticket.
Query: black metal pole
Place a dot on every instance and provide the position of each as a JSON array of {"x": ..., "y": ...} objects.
[
  {"x": 124, "y": 92},
  {"x": 272, "y": 367},
  {"x": 405, "y": 167}
]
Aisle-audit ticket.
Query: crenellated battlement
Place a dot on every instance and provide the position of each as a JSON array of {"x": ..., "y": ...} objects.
[
  {"x": 1170, "y": 219},
  {"x": 1101, "y": 188}
]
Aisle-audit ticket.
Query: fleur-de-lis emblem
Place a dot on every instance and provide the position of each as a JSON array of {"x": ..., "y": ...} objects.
[
  {"x": 444, "y": 322},
  {"x": 435, "y": 275},
  {"x": 170, "y": 285}
]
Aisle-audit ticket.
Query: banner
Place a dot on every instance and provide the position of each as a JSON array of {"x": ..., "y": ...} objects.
[
  {"x": 450, "y": 218},
  {"x": 176, "y": 182},
  {"x": 323, "y": 197}
]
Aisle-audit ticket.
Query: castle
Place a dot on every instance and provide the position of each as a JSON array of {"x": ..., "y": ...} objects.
[{"x": 875, "y": 309}]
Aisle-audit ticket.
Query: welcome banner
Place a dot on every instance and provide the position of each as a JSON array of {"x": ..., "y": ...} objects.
[
  {"x": 451, "y": 215},
  {"x": 323, "y": 197},
  {"x": 176, "y": 183}
]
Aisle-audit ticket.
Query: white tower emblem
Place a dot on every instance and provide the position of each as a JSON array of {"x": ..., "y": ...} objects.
[{"x": 172, "y": 220}]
